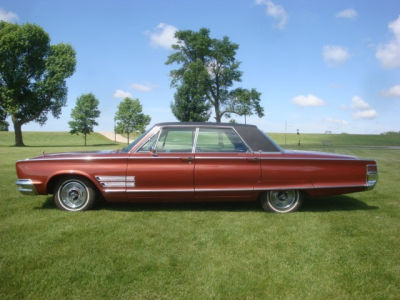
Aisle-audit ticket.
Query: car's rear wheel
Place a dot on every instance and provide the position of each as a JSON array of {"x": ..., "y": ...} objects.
[
  {"x": 282, "y": 201},
  {"x": 74, "y": 194}
]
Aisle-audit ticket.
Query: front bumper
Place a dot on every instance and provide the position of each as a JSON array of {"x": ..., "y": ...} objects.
[{"x": 26, "y": 186}]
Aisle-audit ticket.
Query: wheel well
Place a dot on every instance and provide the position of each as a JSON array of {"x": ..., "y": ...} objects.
[{"x": 55, "y": 179}]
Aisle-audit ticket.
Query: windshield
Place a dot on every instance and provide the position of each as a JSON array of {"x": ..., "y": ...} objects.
[{"x": 131, "y": 145}]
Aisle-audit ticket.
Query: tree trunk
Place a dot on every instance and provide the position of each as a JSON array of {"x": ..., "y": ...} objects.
[
  {"x": 128, "y": 137},
  {"x": 217, "y": 113},
  {"x": 85, "y": 139},
  {"x": 18, "y": 132}
]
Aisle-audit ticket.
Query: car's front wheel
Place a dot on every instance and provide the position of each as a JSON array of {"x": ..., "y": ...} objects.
[
  {"x": 74, "y": 194},
  {"x": 282, "y": 201}
]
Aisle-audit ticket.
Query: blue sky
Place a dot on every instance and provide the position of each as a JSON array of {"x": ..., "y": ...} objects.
[{"x": 320, "y": 65}]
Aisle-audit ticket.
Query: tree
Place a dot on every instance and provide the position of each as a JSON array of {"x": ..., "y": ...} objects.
[
  {"x": 84, "y": 114},
  {"x": 190, "y": 103},
  {"x": 32, "y": 74},
  {"x": 219, "y": 72},
  {"x": 3, "y": 123},
  {"x": 130, "y": 117}
]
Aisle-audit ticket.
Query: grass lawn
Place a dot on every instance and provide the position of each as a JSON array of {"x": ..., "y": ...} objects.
[{"x": 335, "y": 247}]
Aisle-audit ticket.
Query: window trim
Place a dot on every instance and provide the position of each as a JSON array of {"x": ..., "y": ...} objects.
[
  {"x": 145, "y": 142},
  {"x": 196, "y": 129},
  {"x": 223, "y": 127}
]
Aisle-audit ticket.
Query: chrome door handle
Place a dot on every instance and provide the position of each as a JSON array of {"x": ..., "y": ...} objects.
[
  {"x": 189, "y": 158},
  {"x": 253, "y": 159}
]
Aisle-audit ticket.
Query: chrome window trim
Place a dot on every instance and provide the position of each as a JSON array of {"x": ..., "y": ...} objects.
[
  {"x": 179, "y": 126},
  {"x": 144, "y": 143},
  {"x": 156, "y": 130},
  {"x": 225, "y": 127},
  {"x": 196, "y": 135},
  {"x": 248, "y": 147}
]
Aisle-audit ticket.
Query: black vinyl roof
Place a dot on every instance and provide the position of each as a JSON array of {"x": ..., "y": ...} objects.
[{"x": 256, "y": 139}]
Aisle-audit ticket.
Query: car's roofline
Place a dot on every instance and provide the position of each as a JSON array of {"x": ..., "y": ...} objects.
[{"x": 203, "y": 124}]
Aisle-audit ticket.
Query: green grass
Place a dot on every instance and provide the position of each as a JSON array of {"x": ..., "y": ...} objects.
[
  {"x": 335, "y": 247},
  {"x": 316, "y": 139}
]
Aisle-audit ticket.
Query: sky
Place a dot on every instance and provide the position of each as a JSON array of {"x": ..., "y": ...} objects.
[{"x": 320, "y": 65}]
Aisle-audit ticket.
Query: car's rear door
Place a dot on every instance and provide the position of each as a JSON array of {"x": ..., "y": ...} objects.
[
  {"x": 225, "y": 167},
  {"x": 168, "y": 172}
]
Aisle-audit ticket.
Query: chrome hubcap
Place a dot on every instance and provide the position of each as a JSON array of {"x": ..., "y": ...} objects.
[
  {"x": 283, "y": 199},
  {"x": 73, "y": 194}
]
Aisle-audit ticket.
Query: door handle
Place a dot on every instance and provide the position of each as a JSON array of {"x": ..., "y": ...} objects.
[
  {"x": 188, "y": 158},
  {"x": 253, "y": 159}
]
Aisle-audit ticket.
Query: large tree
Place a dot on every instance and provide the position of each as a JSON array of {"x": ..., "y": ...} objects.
[
  {"x": 32, "y": 74},
  {"x": 84, "y": 115},
  {"x": 190, "y": 103},
  {"x": 130, "y": 117},
  {"x": 219, "y": 72}
]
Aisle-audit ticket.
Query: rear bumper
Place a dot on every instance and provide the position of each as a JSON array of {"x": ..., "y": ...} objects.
[{"x": 26, "y": 186}]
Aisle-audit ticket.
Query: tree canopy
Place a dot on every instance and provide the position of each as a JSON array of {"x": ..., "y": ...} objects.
[
  {"x": 206, "y": 75},
  {"x": 130, "y": 118},
  {"x": 32, "y": 74},
  {"x": 84, "y": 115},
  {"x": 190, "y": 103}
]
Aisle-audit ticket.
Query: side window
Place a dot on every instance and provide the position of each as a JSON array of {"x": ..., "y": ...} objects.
[
  {"x": 147, "y": 146},
  {"x": 176, "y": 140},
  {"x": 219, "y": 140}
]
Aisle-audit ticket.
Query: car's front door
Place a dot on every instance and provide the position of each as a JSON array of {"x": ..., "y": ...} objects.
[
  {"x": 167, "y": 171},
  {"x": 225, "y": 167}
]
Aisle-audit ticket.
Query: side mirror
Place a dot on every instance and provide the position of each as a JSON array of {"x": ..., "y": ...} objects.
[{"x": 153, "y": 150}]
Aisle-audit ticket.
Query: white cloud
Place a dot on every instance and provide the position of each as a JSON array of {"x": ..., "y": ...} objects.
[
  {"x": 337, "y": 121},
  {"x": 389, "y": 53},
  {"x": 362, "y": 110},
  {"x": 309, "y": 100},
  {"x": 358, "y": 103},
  {"x": 144, "y": 87},
  {"x": 122, "y": 94},
  {"x": 365, "y": 114},
  {"x": 7, "y": 16},
  {"x": 163, "y": 36},
  {"x": 335, "y": 55},
  {"x": 393, "y": 92},
  {"x": 348, "y": 13},
  {"x": 275, "y": 11}
]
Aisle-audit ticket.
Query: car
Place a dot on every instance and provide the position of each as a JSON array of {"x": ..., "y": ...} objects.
[{"x": 195, "y": 162}]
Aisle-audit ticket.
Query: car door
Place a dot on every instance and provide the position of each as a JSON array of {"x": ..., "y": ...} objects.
[
  {"x": 225, "y": 167},
  {"x": 163, "y": 166}
]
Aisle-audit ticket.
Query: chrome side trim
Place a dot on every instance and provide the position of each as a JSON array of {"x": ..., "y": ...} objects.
[
  {"x": 222, "y": 157},
  {"x": 311, "y": 187},
  {"x": 162, "y": 157},
  {"x": 88, "y": 158},
  {"x": 116, "y": 181},
  {"x": 250, "y": 189},
  {"x": 26, "y": 186},
  {"x": 306, "y": 158},
  {"x": 160, "y": 191},
  {"x": 225, "y": 190}
]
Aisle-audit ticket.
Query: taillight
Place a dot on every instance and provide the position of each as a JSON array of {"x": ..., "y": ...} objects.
[{"x": 372, "y": 176}]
